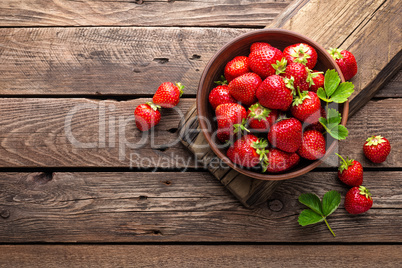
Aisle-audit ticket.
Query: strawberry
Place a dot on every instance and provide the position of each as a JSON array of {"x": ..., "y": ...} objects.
[
  {"x": 243, "y": 88},
  {"x": 377, "y": 148},
  {"x": 350, "y": 172},
  {"x": 279, "y": 161},
  {"x": 168, "y": 95},
  {"x": 273, "y": 93},
  {"x": 260, "y": 61},
  {"x": 312, "y": 146},
  {"x": 248, "y": 151},
  {"x": 261, "y": 118},
  {"x": 346, "y": 62},
  {"x": 317, "y": 125},
  {"x": 231, "y": 118},
  {"x": 358, "y": 200},
  {"x": 301, "y": 53},
  {"x": 258, "y": 46},
  {"x": 286, "y": 135},
  {"x": 298, "y": 73},
  {"x": 317, "y": 81},
  {"x": 236, "y": 67},
  {"x": 220, "y": 95},
  {"x": 146, "y": 116},
  {"x": 306, "y": 107}
]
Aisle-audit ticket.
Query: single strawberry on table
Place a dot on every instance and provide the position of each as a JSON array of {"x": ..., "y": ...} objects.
[
  {"x": 350, "y": 171},
  {"x": 168, "y": 94},
  {"x": 243, "y": 88},
  {"x": 236, "y": 67},
  {"x": 220, "y": 95},
  {"x": 147, "y": 116},
  {"x": 376, "y": 149},
  {"x": 231, "y": 119},
  {"x": 346, "y": 62},
  {"x": 306, "y": 107},
  {"x": 261, "y": 60},
  {"x": 261, "y": 118},
  {"x": 273, "y": 93},
  {"x": 358, "y": 200},
  {"x": 301, "y": 53},
  {"x": 279, "y": 161},
  {"x": 313, "y": 145},
  {"x": 248, "y": 151},
  {"x": 286, "y": 135}
]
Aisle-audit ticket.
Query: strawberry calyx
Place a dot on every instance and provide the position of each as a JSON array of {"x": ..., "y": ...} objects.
[
  {"x": 280, "y": 66},
  {"x": 345, "y": 164},
  {"x": 300, "y": 54},
  {"x": 375, "y": 140},
  {"x": 311, "y": 75},
  {"x": 300, "y": 98},
  {"x": 259, "y": 112},
  {"x": 335, "y": 53},
  {"x": 260, "y": 147},
  {"x": 365, "y": 192},
  {"x": 180, "y": 86},
  {"x": 289, "y": 83},
  {"x": 240, "y": 127},
  {"x": 153, "y": 106},
  {"x": 221, "y": 82},
  {"x": 281, "y": 117}
]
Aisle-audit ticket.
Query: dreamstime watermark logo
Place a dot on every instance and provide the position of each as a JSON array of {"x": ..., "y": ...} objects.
[{"x": 117, "y": 131}]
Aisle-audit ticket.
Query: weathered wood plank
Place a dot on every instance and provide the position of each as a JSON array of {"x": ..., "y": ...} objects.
[
  {"x": 139, "y": 13},
  {"x": 35, "y": 132},
  {"x": 117, "y": 61},
  {"x": 199, "y": 255},
  {"x": 145, "y": 206},
  {"x": 393, "y": 89}
]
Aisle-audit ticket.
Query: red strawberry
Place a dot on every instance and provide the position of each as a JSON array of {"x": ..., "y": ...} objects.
[
  {"x": 273, "y": 93},
  {"x": 168, "y": 95},
  {"x": 377, "y": 148},
  {"x": 220, "y": 95},
  {"x": 317, "y": 125},
  {"x": 243, "y": 88},
  {"x": 259, "y": 45},
  {"x": 306, "y": 107},
  {"x": 248, "y": 151},
  {"x": 346, "y": 62},
  {"x": 261, "y": 118},
  {"x": 298, "y": 73},
  {"x": 312, "y": 146},
  {"x": 317, "y": 81},
  {"x": 350, "y": 172},
  {"x": 358, "y": 200},
  {"x": 260, "y": 61},
  {"x": 301, "y": 53},
  {"x": 236, "y": 67},
  {"x": 286, "y": 135},
  {"x": 279, "y": 161},
  {"x": 146, "y": 116},
  {"x": 230, "y": 117}
]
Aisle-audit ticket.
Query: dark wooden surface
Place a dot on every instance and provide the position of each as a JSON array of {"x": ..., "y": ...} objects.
[{"x": 61, "y": 205}]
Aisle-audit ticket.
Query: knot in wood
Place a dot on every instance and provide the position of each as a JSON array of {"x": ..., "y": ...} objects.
[
  {"x": 275, "y": 205},
  {"x": 5, "y": 213}
]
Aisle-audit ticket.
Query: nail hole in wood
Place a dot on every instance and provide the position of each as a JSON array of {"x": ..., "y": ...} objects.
[
  {"x": 195, "y": 57},
  {"x": 275, "y": 205},
  {"x": 161, "y": 60},
  {"x": 5, "y": 213},
  {"x": 43, "y": 177}
]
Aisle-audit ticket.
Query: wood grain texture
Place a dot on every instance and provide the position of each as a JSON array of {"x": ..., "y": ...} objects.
[
  {"x": 35, "y": 132},
  {"x": 139, "y": 13},
  {"x": 117, "y": 61},
  {"x": 361, "y": 27},
  {"x": 199, "y": 255},
  {"x": 180, "y": 207}
]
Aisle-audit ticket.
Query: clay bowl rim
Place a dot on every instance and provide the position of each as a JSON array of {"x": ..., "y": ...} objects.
[{"x": 201, "y": 112}]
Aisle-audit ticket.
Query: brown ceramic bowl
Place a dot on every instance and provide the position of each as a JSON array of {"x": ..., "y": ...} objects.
[{"x": 240, "y": 46}]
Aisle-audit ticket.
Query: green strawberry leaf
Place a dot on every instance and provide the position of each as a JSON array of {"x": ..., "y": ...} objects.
[
  {"x": 312, "y": 201},
  {"x": 331, "y": 81},
  {"x": 322, "y": 95},
  {"x": 308, "y": 217},
  {"x": 333, "y": 116},
  {"x": 340, "y": 132},
  {"x": 342, "y": 92},
  {"x": 330, "y": 202}
]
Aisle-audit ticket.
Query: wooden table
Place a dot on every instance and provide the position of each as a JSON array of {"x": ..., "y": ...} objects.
[{"x": 71, "y": 74}]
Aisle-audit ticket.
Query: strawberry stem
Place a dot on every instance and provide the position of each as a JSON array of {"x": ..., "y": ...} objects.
[
  {"x": 342, "y": 159},
  {"x": 329, "y": 227}
]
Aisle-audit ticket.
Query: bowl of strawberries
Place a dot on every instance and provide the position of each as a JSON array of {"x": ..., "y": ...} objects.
[{"x": 272, "y": 104}]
